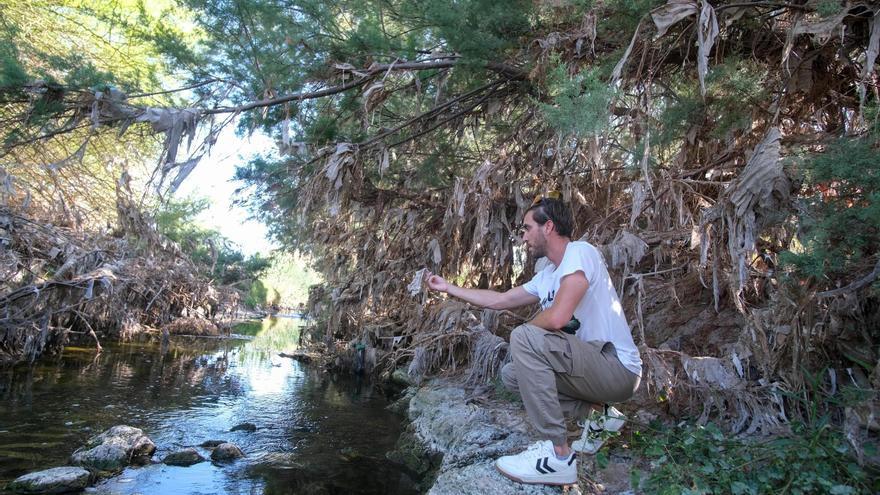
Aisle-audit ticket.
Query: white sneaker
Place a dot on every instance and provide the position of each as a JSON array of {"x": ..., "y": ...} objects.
[
  {"x": 539, "y": 464},
  {"x": 596, "y": 429}
]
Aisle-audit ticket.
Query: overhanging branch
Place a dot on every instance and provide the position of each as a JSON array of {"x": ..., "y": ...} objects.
[{"x": 370, "y": 73}]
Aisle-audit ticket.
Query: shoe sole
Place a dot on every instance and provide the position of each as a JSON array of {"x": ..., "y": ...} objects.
[{"x": 514, "y": 478}]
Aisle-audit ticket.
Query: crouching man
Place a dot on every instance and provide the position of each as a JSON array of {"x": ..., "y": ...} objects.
[{"x": 576, "y": 356}]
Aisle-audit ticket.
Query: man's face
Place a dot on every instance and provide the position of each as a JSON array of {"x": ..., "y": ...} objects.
[{"x": 534, "y": 237}]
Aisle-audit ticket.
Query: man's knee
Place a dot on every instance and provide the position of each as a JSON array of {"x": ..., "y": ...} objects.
[{"x": 508, "y": 377}]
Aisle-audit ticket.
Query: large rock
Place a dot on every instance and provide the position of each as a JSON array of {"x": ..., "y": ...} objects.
[
  {"x": 114, "y": 449},
  {"x": 226, "y": 452},
  {"x": 56, "y": 480},
  {"x": 185, "y": 457},
  {"x": 210, "y": 444},
  {"x": 470, "y": 437}
]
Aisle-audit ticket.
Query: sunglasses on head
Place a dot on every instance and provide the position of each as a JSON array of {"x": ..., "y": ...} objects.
[{"x": 548, "y": 195}]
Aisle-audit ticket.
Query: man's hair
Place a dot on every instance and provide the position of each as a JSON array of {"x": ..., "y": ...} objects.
[{"x": 556, "y": 210}]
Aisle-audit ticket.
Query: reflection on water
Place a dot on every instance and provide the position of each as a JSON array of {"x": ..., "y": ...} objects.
[{"x": 317, "y": 433}]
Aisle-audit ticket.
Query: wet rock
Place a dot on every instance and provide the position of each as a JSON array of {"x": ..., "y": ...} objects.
[
  {"x": 210, "y": 444},
  {"x": 114, "y": 449},
  {"x": 226, "y": 452},
  {"x": 349, "y": 454},
  {"x": 401, "y": 405},
  {"x": 56, "y": 480},
  {"x": 185, "y": 457},
  {"x": 401, "y": 377},
  {"x": 249, "y": 427},
  {"x": 412, "y": 453}
]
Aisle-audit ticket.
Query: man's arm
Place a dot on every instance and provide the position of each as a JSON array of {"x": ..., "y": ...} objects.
[
  {"x": 491, "y": 299},
  {"x": 571, "y": 290}
]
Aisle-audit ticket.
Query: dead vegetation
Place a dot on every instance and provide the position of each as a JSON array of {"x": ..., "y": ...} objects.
[
  {"x": 689, "y": 182},
  {"x": 59, "y": 279},
  {"x": 691, "y": 229}
]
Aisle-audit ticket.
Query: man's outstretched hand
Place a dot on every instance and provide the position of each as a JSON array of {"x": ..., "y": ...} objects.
[{"x": 436, "y": 282}]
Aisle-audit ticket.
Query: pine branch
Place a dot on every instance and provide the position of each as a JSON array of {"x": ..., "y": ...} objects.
[{"x": 376, "y": 69}]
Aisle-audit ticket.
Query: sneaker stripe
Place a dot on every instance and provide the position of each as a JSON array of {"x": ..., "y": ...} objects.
[
  {"x": 571, "y": 459},
  {"x": 547, "y": 466},
  {"x": 538, "y": 466}
]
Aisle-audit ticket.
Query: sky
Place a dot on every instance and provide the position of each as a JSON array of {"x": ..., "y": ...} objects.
[{"x": 212, "y": 179}]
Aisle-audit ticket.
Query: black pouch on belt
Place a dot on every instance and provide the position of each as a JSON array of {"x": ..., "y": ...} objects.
[{"x": 572, "y": 326}]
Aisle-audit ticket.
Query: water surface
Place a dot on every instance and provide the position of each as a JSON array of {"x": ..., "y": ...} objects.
[{"x": 317, "y": 432}]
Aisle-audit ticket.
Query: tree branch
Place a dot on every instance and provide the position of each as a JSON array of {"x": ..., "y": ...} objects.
[
  {"x": 858, "y": 284},
  {"x": 374, "y": 70}
]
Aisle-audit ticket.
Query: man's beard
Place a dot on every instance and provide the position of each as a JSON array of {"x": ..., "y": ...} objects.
[{"x": 537, "y": 251}]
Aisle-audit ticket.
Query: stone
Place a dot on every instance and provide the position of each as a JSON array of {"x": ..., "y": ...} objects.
[
  {"x": 185, "y": 457},
  {"x": 226, "y": 452},
  {"x": 56, "y": 480},
  {"x": 401, "y": 405},
  {"x": 415, "y": 456},
  {"x": 482, "y": 477},
  {"x": 470, "y": 437},
  {"x": 210, "y": 444},
  {"x": 401, "y": 377},
  {"x": 349, "y": 454},
  {"x": 114, "y": 449},
  {"x": 249, "y": 427}
]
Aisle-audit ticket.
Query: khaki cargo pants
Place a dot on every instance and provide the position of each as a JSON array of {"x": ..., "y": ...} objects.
[{"x": 557, "y": 373}]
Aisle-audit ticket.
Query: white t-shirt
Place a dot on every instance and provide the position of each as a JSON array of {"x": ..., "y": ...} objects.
[{"x": 599, "y": 312}]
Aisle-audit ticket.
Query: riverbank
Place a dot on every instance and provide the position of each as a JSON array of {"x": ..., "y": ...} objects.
[{"x": 468, "y": 428}]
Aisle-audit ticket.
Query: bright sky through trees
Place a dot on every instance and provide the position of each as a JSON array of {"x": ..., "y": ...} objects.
[{"x": 213, "y": 179}]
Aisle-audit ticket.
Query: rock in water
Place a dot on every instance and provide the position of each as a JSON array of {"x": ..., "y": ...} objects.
[
  {"x": 250, "y": 427},
  {"x": 185, "y": 457},
  {"x": 114, "y": 449},
  {"x": 210, "y": 444},
  {"x": 56, "y": 480},
  {"x": 226, "y": 452}
]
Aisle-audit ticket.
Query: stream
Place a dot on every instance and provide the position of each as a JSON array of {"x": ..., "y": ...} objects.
[{"x": 316, "y": 432}]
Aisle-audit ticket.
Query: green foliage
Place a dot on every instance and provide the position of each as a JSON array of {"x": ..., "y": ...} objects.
[
  {"x": 840, "y": 220},
  {"x": 502, "y": 392},
  {"x": 815, "y": 457},
  {"x": 83, "y": 44},
  {"x": 257, "y": 295},
  {"x": 732, "y": 87},
  {"x": 12, "y": 73},
  {"x": 828, "y": 8},
  {"x": 176, "y": 220},
  {"x": 680, "y": 115},
  {"x": 287, "y": 280},
  {"x": 478, "y": 29},
  {"x": 579, "y": 103},
  {"x": 624, "y": 15},
  {"x": 701, "y": 459},
  {"x": 71, "y": 46}
]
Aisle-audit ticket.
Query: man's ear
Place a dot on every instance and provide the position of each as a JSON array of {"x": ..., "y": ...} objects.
[{"x": 551, "y": 225}]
